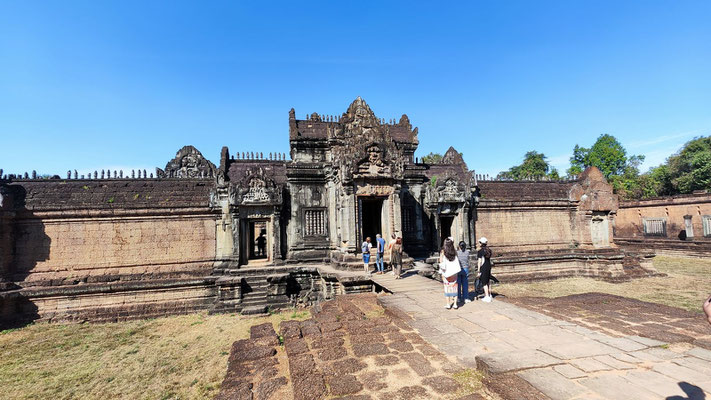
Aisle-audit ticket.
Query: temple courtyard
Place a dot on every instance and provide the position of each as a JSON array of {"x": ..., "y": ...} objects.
[{"x": 560, "y": 339}]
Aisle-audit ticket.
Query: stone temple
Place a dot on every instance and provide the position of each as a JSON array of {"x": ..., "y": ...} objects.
[{"x": 109, "y": 247}]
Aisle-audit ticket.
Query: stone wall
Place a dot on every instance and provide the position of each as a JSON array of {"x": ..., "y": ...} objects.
[{"x": 675, "y": 212}]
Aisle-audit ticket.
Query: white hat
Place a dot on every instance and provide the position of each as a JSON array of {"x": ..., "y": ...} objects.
[{"x": 483, "y": 240}]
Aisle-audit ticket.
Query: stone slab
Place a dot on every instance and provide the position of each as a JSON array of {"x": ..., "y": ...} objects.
[
  {"x": 700, "y": 353},
  {"x": 552, "y": 384},
  {"x": 590, "y": 365},
  {"x": 569, "y": 371},
  {"x": 569, "y": 351},
  {"x": 615, "y": 387},
  {"x": 646, "y": 341},
  {"x": 515, "y": 360}
]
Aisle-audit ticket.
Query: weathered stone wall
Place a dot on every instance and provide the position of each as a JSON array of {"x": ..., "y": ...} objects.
[
  {"x": 94, "y": 231},
  {"x": 675, "y": 211},
  {"x": 58, "y": 249}
]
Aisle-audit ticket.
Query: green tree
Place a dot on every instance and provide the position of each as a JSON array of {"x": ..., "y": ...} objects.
[
  {"x": 608, "y": 155},
  {"x": 534, "y": 166},
  {"x": 432, "y": 158},
  {"x": 690, "y": 168}
]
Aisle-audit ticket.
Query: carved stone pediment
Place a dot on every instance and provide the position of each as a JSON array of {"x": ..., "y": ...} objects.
[
  {"x": 365, "y": 149},
  {"x": 256, "y": 188},
  {"x": 374, "y": 164},
  {"x": 446, "y": 189},
  {"x": 188, "y": 163}
]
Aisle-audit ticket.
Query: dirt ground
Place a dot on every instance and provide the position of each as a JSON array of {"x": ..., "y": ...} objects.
[
  {"x": 686, "y": 286},
  {"x": 181, "y": 357}
]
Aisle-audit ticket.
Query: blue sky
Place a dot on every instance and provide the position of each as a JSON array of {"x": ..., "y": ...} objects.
[{"x": 89, "y": 85}]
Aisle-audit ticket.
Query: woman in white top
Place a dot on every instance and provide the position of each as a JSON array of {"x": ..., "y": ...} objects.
[{"x": 449, "y": 269}]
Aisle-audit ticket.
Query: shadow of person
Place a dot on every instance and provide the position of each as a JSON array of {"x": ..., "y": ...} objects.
[
  {"x": 24, "y": 234},
  {"x": 693, "y": 392}
]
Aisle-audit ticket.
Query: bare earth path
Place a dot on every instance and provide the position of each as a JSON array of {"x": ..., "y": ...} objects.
[{"x": 560, "y": 358}]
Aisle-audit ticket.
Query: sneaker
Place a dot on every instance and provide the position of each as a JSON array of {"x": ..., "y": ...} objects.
[
  {"x": 455, "y": 306},
  {"x": 447, "y": 306},
  {"x": 486, "y": 299},
  {"x": 467, "y": 301}
]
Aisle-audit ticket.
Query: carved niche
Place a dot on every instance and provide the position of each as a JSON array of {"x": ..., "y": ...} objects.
[
  {"x": 256, "y": 188},
  {"x": 188, "y": 163}
]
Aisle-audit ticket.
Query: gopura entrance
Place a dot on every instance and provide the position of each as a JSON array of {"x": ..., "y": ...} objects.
[{"x": 371, "y": 215}]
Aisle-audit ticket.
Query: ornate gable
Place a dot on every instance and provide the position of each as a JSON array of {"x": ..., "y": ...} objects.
[
  {"x": 256, "y": 188},
  {"x": 365, "y": 149},
  {"x": 188, "y": 163}
]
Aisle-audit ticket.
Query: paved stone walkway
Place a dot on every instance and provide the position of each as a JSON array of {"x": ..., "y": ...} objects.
[{"x": 560, "y": 359}]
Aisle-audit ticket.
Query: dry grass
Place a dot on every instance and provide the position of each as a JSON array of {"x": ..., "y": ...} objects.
[
  {"x": 182, "y": 357},
  {"x": 687, "y": 285}
]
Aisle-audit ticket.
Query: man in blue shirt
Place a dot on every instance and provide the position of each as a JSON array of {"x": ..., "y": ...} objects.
[
  {"x": 381, "y": 251},
  {"x": 463, "y": 277}
]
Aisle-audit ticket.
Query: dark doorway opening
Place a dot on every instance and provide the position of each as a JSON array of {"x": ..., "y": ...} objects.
[
  {"x": 371, "y": 221},
  {"x": 446, "y": 227},
  {"x": 257, "y": 232}
]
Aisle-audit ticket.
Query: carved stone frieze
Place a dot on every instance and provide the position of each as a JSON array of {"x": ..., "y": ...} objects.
[
  {"x": 255, "y": 188},
  {"x": 188, "y": 163}
]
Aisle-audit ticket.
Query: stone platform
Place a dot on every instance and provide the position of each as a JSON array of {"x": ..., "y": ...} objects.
[{"x": 530, "y": 355}]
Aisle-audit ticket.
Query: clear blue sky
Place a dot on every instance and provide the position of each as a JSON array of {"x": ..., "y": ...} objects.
[{"x": 95, "y": 84}]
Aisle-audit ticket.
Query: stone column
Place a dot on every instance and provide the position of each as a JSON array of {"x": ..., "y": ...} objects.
[
  {"x": 276, "y": 237},
  {"x": 350, "y": 221},
  {"x": 397, "y": 214}
]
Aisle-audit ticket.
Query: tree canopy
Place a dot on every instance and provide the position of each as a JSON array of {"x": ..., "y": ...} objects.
[
  {"x": 607, "y": 154},
  {"x": 432, "y": 158},
  {"x": 534, "y": 166}
]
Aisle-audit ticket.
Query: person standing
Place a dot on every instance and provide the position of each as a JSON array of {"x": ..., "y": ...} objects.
[
  {"x": 390, "y": 250},
  {"x": 707, "y": 309},
  {"x": 463, "y": 277},
  {"x": 449, "y": 269},
  {"x": 484, "y": 263},
  {"x": 380, "y": 242},
  {"x": 396, "y": 257},
  {"x": 365, "y": 248}
]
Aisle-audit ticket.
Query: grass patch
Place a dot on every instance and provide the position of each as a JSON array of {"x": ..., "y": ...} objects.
[
  {"x": 686, "y": 286},
  {"x": 470, "y": 381},
  {"x": 171, "y": 357}
]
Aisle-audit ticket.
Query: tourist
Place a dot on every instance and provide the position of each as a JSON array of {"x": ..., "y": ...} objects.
[
  {"x": 396, "y": 257},
  {"x": 365, "y": 247},
  {"x": 261, "y": 244},
  {"x": 393, "y": 240},
  {"x": 484, "y": 262},
  {"x": 707, "y": 309},
  {"x": 380, "y": 242},
  {"x": 449, "y": 269},
  {"x": 463, "y": 277}
]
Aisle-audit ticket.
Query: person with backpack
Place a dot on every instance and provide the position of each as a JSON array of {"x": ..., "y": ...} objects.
[
  {"x": 365, "y": 248},
  {"x": 380, "y": 242},
  {"x": 463, "y": 277},
  {"x": 484, "y": 262},
  {"x": 396, "y": 257},
  {"x": 449, "y": 269}
]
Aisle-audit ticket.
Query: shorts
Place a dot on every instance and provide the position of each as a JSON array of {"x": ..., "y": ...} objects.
[{"x": 366, "y": 258}]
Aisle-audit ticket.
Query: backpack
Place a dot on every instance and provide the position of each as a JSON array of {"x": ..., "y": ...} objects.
[{"x": 365, "y": 248}]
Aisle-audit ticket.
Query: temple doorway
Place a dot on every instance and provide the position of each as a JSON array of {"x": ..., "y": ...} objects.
[
  {"x": 445, "y": 227},
  {"x": 256, "y": 241},
  {"x": 371, "y": 221}
]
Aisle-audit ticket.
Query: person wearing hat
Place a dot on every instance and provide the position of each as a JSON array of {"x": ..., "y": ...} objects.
[{"x": 484, "y": 262}]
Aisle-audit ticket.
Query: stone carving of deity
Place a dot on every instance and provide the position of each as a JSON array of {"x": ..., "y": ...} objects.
[{"x": 257, "y": 192}]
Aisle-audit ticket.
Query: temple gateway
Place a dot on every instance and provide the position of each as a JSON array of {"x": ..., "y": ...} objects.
[
  {"x": 349, "y": 177},
  {"x": 262, "y": 230}
]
